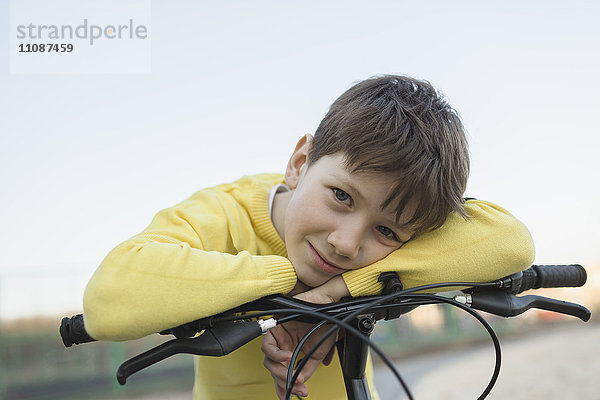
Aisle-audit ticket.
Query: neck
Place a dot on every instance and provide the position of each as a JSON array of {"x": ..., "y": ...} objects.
[{"x": 280, "y": 203}]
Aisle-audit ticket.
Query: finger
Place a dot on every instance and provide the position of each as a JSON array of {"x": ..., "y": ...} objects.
[
  {"x": 271, "y": 348},
  {"x": 280, "y": 392},
  {"x": 279, "y": 371},
  {"x": 276, "y": 354},
  {"x": 323, "y": 350},
  {"x": 279, "y": 374},
  {"x": 282, "y": 337},
  {"x": 299, "y": 390},
  {"x": 309, "y": 369},
  {"x": 332, "y": 290}
]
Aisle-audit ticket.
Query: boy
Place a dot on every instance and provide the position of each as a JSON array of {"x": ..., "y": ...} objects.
[{"x": 379, "y": 188}]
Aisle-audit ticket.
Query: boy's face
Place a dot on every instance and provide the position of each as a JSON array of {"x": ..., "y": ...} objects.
[{"x": 332, "y": 220}]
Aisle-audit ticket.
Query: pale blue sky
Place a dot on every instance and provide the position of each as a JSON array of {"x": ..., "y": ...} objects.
[{"x": 87, "y": 160}]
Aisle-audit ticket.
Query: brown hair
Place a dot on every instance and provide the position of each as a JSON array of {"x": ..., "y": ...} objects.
[{"x": 401, "y": 125}]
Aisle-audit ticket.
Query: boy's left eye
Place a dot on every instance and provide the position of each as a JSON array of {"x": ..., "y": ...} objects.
[
  {"x": 342, "y": 196},
  {"x": 387, "y": 232}
]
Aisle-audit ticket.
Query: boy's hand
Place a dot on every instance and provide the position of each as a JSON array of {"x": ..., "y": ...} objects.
[
  {"x": 331, "y": 291},
  {"x": 279, "y": 343}
]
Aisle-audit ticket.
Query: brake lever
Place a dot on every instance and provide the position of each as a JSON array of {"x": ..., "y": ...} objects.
[
  {"x": 504, "y": 304},
  {"x": 219, "y": 340}
]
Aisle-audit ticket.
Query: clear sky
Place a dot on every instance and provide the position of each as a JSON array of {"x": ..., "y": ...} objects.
[{"x": 86, "y": 160}]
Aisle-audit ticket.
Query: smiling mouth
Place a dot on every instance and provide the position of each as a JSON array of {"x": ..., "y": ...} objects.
[{"x": 322, "y": 263}]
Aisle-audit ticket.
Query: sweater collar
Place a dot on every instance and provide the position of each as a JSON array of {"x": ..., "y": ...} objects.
[{"x": 261, "y": 218}]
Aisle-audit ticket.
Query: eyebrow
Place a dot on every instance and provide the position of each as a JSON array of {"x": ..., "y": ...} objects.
[{"x": 344, "y": 180}]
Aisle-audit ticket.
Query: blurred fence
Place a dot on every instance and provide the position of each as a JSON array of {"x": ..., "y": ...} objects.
[{"x": 36, "y": 366}]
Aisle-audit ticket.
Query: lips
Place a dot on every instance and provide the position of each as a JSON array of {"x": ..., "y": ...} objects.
[{"x": 322, "y": 263}]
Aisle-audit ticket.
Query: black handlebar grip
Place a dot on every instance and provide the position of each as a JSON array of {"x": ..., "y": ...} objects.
[
  {"x": 72, "y": 331},
  {"x": 548, "y": 276}
]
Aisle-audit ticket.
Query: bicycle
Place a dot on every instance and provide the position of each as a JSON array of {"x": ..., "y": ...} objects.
[{"x": 223, "y": 333}]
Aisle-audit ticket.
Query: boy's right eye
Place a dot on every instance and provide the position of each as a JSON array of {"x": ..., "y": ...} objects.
[{"x": 342, "y": 196}]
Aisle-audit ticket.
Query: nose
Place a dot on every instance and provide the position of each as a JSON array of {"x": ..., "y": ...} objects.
[{"x": 346, "y": 241}]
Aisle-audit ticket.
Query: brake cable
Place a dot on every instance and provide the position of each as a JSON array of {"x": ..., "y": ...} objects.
[{"x": 366, "y": 308}]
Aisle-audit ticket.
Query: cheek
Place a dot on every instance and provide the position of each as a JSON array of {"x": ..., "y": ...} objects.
[
  {"x": 307, "y": 214},
  {"x": 375, "y": 251}
]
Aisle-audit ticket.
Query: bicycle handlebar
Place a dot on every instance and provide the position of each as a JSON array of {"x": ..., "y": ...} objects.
[
  {"x": 548, "y": 276},
  {"x": 222, "y": 335},
  {"x": 545, "y": 276},
  {"x": 72, "y": 330}
]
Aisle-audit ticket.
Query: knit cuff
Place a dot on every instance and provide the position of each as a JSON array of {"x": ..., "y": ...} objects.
[
  {"x": 363, "y": 282},
  {"x": 281, "y": 273}
]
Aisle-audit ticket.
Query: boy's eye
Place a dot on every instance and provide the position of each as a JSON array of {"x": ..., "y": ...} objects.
[
  {"x": 342, "y": 196},
  {"x": 387, "y": 232}
]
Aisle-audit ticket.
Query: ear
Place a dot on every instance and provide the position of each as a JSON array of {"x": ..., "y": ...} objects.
[{"x": 298, "y": 161}]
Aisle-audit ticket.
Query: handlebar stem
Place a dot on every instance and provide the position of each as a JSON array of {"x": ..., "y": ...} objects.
[{"x": 353, "y": 358}]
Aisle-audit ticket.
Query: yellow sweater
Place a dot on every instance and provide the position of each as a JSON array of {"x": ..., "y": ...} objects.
[{"x": 219, "y": 249}]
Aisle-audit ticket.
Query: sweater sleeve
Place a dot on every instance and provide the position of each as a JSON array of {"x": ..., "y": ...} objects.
[
  {"x": 489, "y": 245},
  {"x": 194, "y": 260}
]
